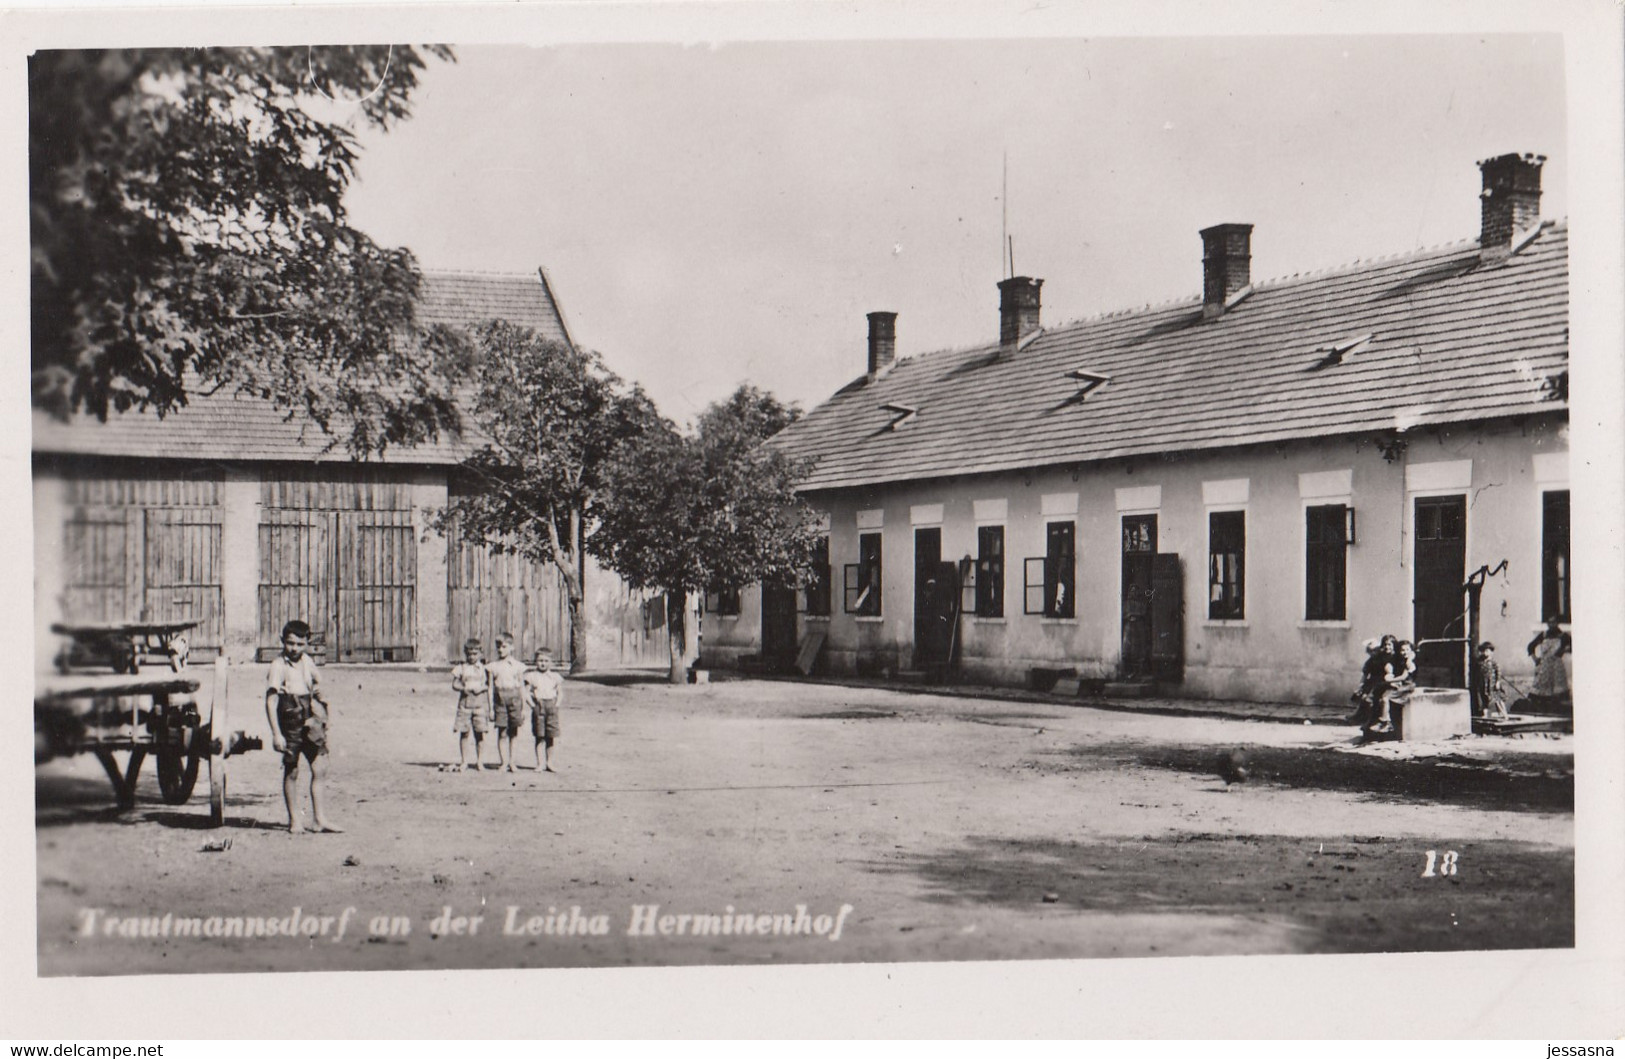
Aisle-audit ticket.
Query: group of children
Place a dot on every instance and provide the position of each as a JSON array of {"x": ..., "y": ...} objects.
[
  {"x": 1388, "y": 678},
  {"x": 495, "y": 695}
]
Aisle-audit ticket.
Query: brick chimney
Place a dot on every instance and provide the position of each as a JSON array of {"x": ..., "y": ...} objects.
[
  {"x": 1018, "y": 311},
  {"x": 1227, "y": 259},
  {"x": 1510, "y": 201},
  {"x": 882, "y": 342}
]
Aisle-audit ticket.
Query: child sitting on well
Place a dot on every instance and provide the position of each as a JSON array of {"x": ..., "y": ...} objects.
[
  {"x": 1365, "y": 697},
  {"x": 472, "y": 682},
  {"x": 1397, "y": 684}
]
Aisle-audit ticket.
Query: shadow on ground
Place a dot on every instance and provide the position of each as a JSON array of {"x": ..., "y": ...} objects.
[
  {"x": 1509, "y": 781},
  {"x": 1366, "y": 894},
  {"x": 60, "y": 801},
  {"x": 622, "y": 678}
]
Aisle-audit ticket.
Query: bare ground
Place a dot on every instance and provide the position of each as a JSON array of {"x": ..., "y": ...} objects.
[{"x": 954, "y": 827}]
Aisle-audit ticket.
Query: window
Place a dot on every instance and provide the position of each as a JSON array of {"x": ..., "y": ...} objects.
[
  {"x": 1226, "y": 557},
  {"x": 1048, "y": 582},
  {"x": 1554, "y": 556},
  {"x": 990, "y": 571},
  {"x": 1326, "y": 548},
  {"x": 862, "y": 587},
  {"x": 722, "y": 601},
  {"x": 818, "y": 587}
]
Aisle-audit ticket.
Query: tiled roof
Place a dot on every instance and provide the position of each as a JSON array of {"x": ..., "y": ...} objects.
[
  {"x": 227, "y": 426},
  {"x": 1450, "y": 340},
  {"x": 458, "y": 298}
]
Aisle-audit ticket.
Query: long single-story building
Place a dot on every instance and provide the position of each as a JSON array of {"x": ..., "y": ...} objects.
[
  {"x": 1227, "y": 495},
  {"x": 234, "y": 515}
]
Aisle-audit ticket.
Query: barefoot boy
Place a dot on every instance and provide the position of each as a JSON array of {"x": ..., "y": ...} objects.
[
  {"x": 544, "y": 688},
  {"x": 297, "y": 713},
  {"x": 507, "y": 699},
  {"x": 472, "y": 682}
]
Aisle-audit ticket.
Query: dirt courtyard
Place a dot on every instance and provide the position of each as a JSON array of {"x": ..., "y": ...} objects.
[{"x": 774, "y": 822}]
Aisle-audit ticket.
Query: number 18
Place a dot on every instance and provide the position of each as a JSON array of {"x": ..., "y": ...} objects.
[{"x": 1446, "y": 864}]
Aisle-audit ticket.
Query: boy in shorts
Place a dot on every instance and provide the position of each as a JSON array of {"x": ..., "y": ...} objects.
[
  {"x": 507, "y": 699},
  {"x": 472, "y": 682},
  {"x": 298, "y": 715},
  {"x": 544, "y": 688}
]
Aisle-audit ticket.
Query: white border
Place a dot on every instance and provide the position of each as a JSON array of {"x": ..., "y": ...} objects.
[{"x": 1543, "y": 994}]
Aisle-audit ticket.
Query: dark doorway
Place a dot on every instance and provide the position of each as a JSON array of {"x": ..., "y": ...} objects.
[
  {"x": 1139, "y": 560},
  {"x": 936, "y": 595},
  {"x": 1167, "y": 618},
  {"x": 778, "y": 626},
  {"x": 1439, "y": 609}
]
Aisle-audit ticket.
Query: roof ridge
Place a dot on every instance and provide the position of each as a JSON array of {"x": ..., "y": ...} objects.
[
  {"x": 1367, "y": 262},
  {"x": 480, "y": 272},
  {"x": 1275, "y": 282}
]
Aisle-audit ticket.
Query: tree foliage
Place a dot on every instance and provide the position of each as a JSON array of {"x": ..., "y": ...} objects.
[
  {"x": 715, "y": 506},
  {"x": 189, "y": 232},
  {"x": 550, "y": 418}
]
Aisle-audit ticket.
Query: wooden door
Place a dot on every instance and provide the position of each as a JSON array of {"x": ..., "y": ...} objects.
[
  {"x": 377, "y": 586},
  {"x": 1139, "y": 559},
  {"x": 296, "y": 577},
  {"x": 1439, "y": 608},
  {"x": 97, "y": 580},
  {"x": 779, "y": 624},
  {"x": 935, "y": 600},
  {"x": 1167, "y": 617},
  {"x": 182, "y": 575},
  {"x": 488, "y": 594}
]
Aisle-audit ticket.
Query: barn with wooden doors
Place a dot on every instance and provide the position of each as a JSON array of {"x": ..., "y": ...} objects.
[
  {"x": 1223, "y": 497},
  {"x": 229, "y": 515}
]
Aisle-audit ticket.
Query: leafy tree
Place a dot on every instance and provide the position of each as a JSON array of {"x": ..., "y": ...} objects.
[
  {"x": 712, "y": 507},
  {"x": 189, "y": 233},
  {"x": 550, "y": 417}
]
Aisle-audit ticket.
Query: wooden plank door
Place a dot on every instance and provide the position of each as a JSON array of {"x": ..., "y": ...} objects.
[
  {"x": 1139, "y": 560},
  {"x": 377, "y": 586},
  {"x": 935, "y": 594},
  {"x": 489, "y": 593},
  {"x": 779, "y": 624},
  {"x": 1440, "y": 601},
  {"x": 296, "y": 577},
  {"x": 182, "y": 576},
  {"x": 1167, "y": 617},
  {"x": 98, "y": 576}
]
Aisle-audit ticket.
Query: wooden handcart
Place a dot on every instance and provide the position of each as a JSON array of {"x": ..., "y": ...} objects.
[
  {"x": 124, "y": 645},
  {"x": 108, "y": 714}
]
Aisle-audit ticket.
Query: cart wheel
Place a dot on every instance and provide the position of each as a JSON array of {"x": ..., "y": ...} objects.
[
  {"x": 212, "y": 737},
  {"x": 177, "y": 772}
]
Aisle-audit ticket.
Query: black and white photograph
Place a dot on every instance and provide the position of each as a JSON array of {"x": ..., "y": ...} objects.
[{"x": 727, "y": 489}]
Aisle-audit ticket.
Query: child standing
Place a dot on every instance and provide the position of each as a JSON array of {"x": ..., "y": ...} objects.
[
  {"x": 544, "y": 687},
  {"x": 472, "y": 682},
  {"x": 1490, "y": 697},
  {"x": 507, "y": 699},
  {"x": 298, "y": 728}
]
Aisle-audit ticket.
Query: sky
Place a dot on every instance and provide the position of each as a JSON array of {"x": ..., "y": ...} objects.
[{"x": 712, "y": 215}]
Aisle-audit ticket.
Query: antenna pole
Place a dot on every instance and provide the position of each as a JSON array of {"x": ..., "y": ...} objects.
[{"x": 1011, "y": 242}]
